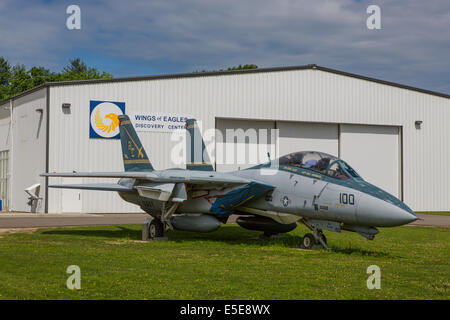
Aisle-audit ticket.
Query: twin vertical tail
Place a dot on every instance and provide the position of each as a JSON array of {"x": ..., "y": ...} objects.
[
  {"x": 134, "y": 156},
  {"x": 197, "y": 157}
]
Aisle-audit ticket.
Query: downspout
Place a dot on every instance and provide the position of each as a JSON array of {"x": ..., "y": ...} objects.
[
  {"x": 47, "y": 147},
  {"x": 11, "y": 162}
]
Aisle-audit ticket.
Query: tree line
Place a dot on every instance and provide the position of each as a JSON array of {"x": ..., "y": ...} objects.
[
  {"x": 17, "y": 79},
  {"x": 239, "y": 67}
]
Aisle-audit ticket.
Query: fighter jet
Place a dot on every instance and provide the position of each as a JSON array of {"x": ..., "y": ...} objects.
[{"x": 314, "y": 188}]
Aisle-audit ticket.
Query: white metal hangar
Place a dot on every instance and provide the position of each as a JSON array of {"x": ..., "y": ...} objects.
[{"x": 395, "y": 136}]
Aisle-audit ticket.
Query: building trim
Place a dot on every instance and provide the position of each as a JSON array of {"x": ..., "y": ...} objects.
[
  {"x": 339, "y": 140},
  {"x": 47, "y": 147},
  {"x": 11, "y": 155},
  {"x": 402, "y": 185}
]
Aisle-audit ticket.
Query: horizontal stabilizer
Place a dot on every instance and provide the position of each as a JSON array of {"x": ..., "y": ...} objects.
[
  {"x": 203, "y": 178},
  {"x": 129, "y": 174},
  {"x": 94, "y": 186}
]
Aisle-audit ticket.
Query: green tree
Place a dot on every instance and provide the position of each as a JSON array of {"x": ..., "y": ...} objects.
[
  {"x": 20, "y": 80},
  {"x": 244, "y": 67},
  {"x": 40, "y": 75},
  {"x": 78, "y": 70},
  {"x": 5, "y": 75},
  {"x": 76, "y": 66}
]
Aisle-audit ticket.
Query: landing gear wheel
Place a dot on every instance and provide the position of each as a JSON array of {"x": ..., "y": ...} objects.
[
  {"x": 308, "y": 241},
  {"x": 156, "y": 229}
]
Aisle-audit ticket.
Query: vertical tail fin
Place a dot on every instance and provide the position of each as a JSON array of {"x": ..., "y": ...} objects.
[
  {"x": 197, "y": 157},
  {"x": 134, "y": 156}
]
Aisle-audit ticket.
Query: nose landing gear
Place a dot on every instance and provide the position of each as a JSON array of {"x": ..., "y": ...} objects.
[
  {"x": 310, "y": 240},
  {"x": 316, "y": 238}
]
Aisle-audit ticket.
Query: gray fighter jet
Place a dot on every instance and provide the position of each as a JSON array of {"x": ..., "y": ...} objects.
[{"x": 316, "y": 189}]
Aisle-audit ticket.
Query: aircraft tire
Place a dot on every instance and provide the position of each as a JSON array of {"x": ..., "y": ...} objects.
[
  {"x": 156, "y": 229},
  {"x": 308, "y": 241}
]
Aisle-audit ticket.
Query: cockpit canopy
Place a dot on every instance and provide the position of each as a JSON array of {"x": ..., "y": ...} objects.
[{"x": 320, "y": 162}]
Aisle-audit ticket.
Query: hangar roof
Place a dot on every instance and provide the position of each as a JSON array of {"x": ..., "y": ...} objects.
[{"x": 223, "y": 73}]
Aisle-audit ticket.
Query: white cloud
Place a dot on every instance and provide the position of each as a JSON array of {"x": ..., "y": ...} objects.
[{"x": 412, "y": 47}]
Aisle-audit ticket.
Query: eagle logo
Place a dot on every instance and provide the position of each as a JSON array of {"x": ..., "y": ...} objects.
[
  {"x": 107, "y": 128},
  {"x": 104, "y": 120}
]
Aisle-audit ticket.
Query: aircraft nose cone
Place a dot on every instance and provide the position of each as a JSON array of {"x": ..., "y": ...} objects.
[
  {"x": 376, "y": 212},
  {"x": 402, "y": 216}
]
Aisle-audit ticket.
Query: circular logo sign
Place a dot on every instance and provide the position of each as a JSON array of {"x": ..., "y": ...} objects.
[{"x": 105, "y": 119}]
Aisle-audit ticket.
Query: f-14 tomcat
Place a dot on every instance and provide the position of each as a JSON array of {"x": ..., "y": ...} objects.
[{"x": 316, "y": 189}]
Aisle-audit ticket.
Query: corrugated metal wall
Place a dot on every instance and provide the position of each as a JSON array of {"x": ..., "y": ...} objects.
[
  {"x": 5, "y": 145},
  {"x": 299, "y": 95},
  {"x": 28, "y": 153},
  {"x": 5, "y": 127}
]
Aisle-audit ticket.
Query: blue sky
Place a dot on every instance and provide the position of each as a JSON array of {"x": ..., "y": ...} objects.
[{"x": 145, "y": 37}]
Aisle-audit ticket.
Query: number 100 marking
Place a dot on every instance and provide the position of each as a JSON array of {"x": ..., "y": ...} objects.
[{"x": 346, "y": 198}]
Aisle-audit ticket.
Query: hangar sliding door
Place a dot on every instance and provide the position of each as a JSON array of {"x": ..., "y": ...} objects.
[
  {"x": 242, "y": 144},
  {"x": 253, "y": 139},
  {"x": 375, "y": 153},
  {"x": 304, "y": 136}
]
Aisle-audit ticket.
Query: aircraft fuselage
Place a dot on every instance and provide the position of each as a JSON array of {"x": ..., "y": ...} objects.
[{"x": 299, "y": 193}]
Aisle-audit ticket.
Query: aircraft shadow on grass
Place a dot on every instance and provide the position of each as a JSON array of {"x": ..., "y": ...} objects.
[
  {"x": 118, "y": 232},
  {"x": 232, "y": 235}
]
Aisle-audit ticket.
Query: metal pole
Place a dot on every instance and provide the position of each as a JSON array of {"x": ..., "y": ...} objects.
[{"x": 11, "y": 155}]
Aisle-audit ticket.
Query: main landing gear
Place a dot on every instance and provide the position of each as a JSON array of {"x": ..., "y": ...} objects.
[
  {"x": 316, "y": 238},
  {"x": 153, "y": 229},
  {"x": 155, "y": 226}
]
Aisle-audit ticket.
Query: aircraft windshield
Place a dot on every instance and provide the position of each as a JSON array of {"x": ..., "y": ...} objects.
[
  {"x": 311, "y": 160},
  {"x": 350, "y": 170},
  {"x": 335, "y": 171},
  {"x": 320, "y": 162}
]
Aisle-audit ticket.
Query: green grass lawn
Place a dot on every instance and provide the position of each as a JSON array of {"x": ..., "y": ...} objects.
[
  {"x": 231, "y": 263},
  {"x": 440, "y": 213}
]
